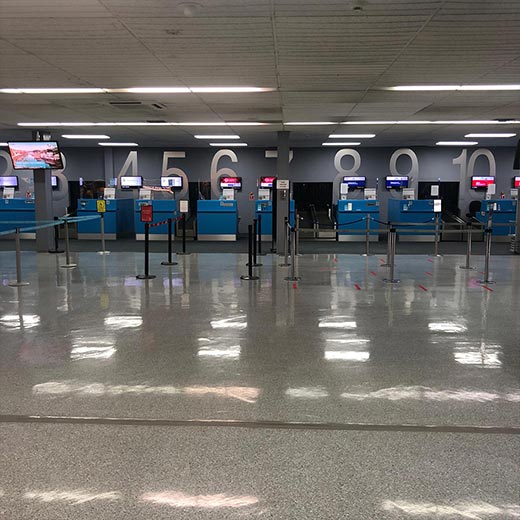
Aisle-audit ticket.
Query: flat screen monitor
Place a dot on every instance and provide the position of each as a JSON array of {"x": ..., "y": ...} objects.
[
  {"x": 517, "y": 182},
  {"x": 131, "y": 183},
  {"x": 396, "y": 182},
  {"x": 481, "y": 182},
  {"x": 231, "y": 182},
  {"x": 355, "y": 182},
  {"x": 54, "y": 182},
  {"x": 171, "y": 182},
  {"x": 267, "y": 182},
  {"x": 9, "y": 182},
  {"x": 35, "y": 155}
]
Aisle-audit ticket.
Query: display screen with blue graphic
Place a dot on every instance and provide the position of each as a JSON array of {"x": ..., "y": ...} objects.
[
  {"x": 171, "y": 182},
  {"x": 9, "y": 182},
  {"x": 35, "y": 155},
  {"x": 393, "y": 181},
  {"x": 131, "y": 183},
  {"x": 355, "y": 182}
]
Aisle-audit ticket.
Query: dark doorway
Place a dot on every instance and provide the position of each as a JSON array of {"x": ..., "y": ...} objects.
[
  {"x": 74, "y": 195},
  {"x": 448, "y": 193},
  {"x": 313, "y": 201},
  {"x": 196, "y": 191}
]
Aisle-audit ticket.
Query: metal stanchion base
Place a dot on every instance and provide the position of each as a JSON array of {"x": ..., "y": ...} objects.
[
  {"x": 18, "y": 284},
  {"x": 55, "y": 251},
  {"x": 436, "y": 256},
  {"x": 145, "y": 276},
  {"x": 388, "y": 280},
  {"x": 284, "y": 265},
  {"x": 169, "y": 263},
  {"x": 467, "y": 268},
  {"x": 385, "y": 265},
  {"x": 69, "y": 266},
  {"x": 366, "y": 254},
  {"x": 293, "y": 278},
  {"x": 245, "y": 277},
  {"x": 485, "y": 282},
  {"x": 256, "y": 265},
  {"x": 183, "y": 254},
  {"x": 103, "y": 252}
]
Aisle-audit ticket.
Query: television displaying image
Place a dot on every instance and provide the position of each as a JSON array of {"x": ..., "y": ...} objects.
[
  {"x": 171, "y": 182},
  {"x": 355, "y": 182},
  {"x": 9, "y": 182},
  {"x": 131, "y": 183},
  {"x": 481, "y": 182},
  {"x": 35, "y": 155},
  {"x": 267, "y": 182},
  {"x": 231, "y": 182},
  {"x": 517, "y": 182},
  {"x": 396, "y": 182}
]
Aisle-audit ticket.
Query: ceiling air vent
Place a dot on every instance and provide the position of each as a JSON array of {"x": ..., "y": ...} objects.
[
  {"x": 125, "y": 104},
  {"x": 158, "y": 106}
]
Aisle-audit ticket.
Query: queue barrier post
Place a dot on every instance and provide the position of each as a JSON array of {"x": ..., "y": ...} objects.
[
  {"x": 437, "y": 235},
  {"x": 297, "y": 234},
  {"x": 367, "y": 236},
  {"x": 392, "y": 236},
  {"x": 170, "y": 234},
  {"x": 68, "y": 264},
  {"x": 19, "y": 282},
  {"x": 56, "y": 249},
  {"x": 293, "y": 277},
  {"x": 488, "y": 231},
  {"x": 146, "y": 275},
  {"x": 250, "y": 275},
  {"x": 469, "y": 238},
  {"x": 102, "y": 225},
  {"x": 259, "y": 234},
  {"x": 183, "y": 253},
  {"x": 286, "y": 244}
]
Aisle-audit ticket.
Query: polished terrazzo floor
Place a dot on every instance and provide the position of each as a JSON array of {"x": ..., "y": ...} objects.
[{"x": 339, "y": 349}]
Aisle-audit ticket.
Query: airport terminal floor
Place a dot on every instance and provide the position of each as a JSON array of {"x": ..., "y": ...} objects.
[{"x": 200, "y": 395}]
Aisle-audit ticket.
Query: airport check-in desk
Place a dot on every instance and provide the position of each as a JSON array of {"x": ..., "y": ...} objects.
[
  {"x": 265, "y": 209},
  {"x": 348, "y": 215},
  {"x": 19, "y": 210},
  {"x": 162, "y": 210},
  {"x": 503, "y": 217},
  {"x": 217, "y": 220},
  {"x": 118, "y": 219},
  {"x": 403, "y": 213}
]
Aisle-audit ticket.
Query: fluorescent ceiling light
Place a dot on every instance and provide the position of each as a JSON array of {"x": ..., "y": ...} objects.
[
  {"x": 440, "y": 88},
  {"x": 155, "y": 90},
  {"x": 309, "y": 123},
  {"x": 225, "y": 90},
  {"x": 456, "y": 143},
  {"x": 340, "y": 144},
  {"x": 54, "y": 124},
  {"x": 351, "y": 136},
  {"x": 140, "y": 123},
  {"x": 3, "y": 144},
  {"x": 53, "y": 91},
  {"x": 118, "y": 144},
  {"x": 228, "y": 144},
  {"x": 91, "y": 136},
  {"x": 490, "y": 135},
  {"x": 232, "y": 136},
  {"x": 457, "y": 122}
]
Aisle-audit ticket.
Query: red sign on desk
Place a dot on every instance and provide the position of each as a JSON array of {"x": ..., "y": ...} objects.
[{"x": 146, "y": 213}]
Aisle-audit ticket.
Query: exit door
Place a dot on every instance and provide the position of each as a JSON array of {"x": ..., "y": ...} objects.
[{"x": 448, "y": 193}]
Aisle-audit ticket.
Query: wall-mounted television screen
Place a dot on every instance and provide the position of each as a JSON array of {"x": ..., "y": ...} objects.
[
  {"x": 355, "y": 182},
  {"x": 267, "y": 182},
  {"x": 481, "y": 182},
  {"x": 171, "y": 182},
  {"x": 9, "y": 182},
  {"x": 396, "y": 182},
  {"x": 35, "y": 155},
  {"x": 231, "y": 182},
  {"x": 517, "y": 182},
  {"x": 131, "y": 183}
]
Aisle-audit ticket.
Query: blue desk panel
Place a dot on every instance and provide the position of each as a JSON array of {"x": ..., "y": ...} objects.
[
  {"x": 350, "y": 212},
  {"x": 402, "y": 212},
  {"x": 265, "y": 208},
  {"x": 217, "y": 220},
  {"x": 17, "y": 210},
  {"x": 504, "y": 213},
  {"x": 118, "y": 219},
  {"x": 162, "y": 210}
]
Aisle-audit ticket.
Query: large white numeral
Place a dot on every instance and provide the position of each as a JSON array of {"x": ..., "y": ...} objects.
[
  {"x": 63, "y": 183},
  {"x": 215, "y": 173},
  {"x": 168, "y": 172},
  {"x": 131, "y": 162},
  {"x": 345, "y": 152},
  {"x": 8, "y": 163},
  {"x": 414, "y": 167},
  {"x": 467, "y": 168}
]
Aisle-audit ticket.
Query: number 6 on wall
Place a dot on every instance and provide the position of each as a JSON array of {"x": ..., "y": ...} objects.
[{"x": 215, "y": 174}]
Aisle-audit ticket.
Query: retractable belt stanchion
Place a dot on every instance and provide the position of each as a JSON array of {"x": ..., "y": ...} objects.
[
  {"x": 437, "y": 235},
  {"x": 486, "y": 279},
  {"x": 391, "y": 259},
  {"x": 183, "y": 236},
  {"x": 367, "y": 237},
  {"x": 102, "y": 224},
  {"x": 18, "y": 282},
  {"x": 293, "y": 277},
  {"x": 387, "y": 263},
  {"x": 297, "y": 234},
  {"x": 468, "y": 249},
  {"x": 67, "y": 264},
  {"x": 286, "y": 245},
  {"x": 146, "y": 275},
  {"x": 259, "y": 234},
  {"x": 56, "y": 249},
  {"x": 255, "y": 244},
  {"x": 170, "y": 232},
  {"x": 250, "y": 275}
]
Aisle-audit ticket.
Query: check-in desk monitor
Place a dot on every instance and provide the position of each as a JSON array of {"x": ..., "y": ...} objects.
[
  {"x": 396, "y": 182},
  {"x": 481, "y": 182},
  {"x": 171, "y": 182},
  {"x": 131, "y": 183},
  {"x": 9, "y": 182},
  {"x": 355, "y": 182},
  {"x": 234, "y": 183}
]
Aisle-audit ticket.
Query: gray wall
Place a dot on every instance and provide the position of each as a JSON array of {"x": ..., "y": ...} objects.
[{"x": 308, "y": 165}]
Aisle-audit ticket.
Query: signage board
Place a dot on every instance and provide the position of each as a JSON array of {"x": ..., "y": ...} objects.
[{"x": 146, "y": 213}]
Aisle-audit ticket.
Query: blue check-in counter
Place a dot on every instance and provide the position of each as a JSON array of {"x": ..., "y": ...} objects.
[
  {"x": 162, "y": 210},
  {"x": 503, "y": 217},
  {"x": 17, "y": 210},
  {"x": 350, "y": 212},
  {"x": 217, "y": 220},
  {"x": 264, "y": 208},
  {"x": 402, "y": 213},
  {"x": 118, "y": 219}
]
